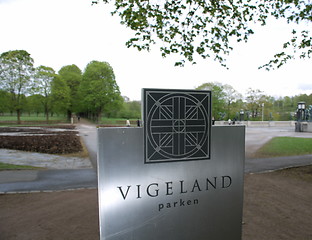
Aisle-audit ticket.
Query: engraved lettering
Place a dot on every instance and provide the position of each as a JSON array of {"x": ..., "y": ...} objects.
[
  {"x": 208, "y": 182},
  {"x": 124, "y": 195},
  {"x": 160, "y": 206},
  {"x": 155, "y": 192},
  {"x": 139, "y": 191},
  {"x": 226, "y": 183},
  {"x": 169, "y": 188},
  {"x": 182, "y": 187},
  {"x": 196, "y": 185},
  {"x": 180, "y": 203}
]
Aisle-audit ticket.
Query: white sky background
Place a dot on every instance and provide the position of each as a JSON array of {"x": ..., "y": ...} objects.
[{"x": 63, "y": 32}]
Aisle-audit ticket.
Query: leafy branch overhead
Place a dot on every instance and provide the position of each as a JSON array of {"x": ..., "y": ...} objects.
[{"x": 206, "y": 28}]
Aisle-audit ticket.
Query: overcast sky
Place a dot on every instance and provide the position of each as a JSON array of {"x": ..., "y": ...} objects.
[{"x": 64, "y": 32}]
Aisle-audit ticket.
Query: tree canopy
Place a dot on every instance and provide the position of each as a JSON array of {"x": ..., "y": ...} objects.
[
  {"x": 72, "y": 76},
  {"x": 5, "y": 102},
  {"x": 60, "y": 95},
  {"x": 98, "y": 90},
  {"x": 227, "y": 103},
  {"x": 207, "y": 28},
  {"x": 225, "y": 99},
  {"x": 95, "y": 92},
  {"x": 40, "y": 89},
  {"x": 43, "y": 86},
  {"x": 16, "y": 71}
]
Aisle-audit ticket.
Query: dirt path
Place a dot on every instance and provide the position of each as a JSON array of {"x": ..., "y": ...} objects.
[
  {"x": 56, "y": 216},
  {"x": 277, "y": 206}
]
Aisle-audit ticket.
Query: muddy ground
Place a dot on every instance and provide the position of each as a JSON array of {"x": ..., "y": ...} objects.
[{"x": 277, "y": 206}]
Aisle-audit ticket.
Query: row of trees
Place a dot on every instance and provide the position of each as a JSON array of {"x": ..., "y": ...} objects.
[
  {"x": 25, "y": 88},
  {"x": 229, "y": 104}
]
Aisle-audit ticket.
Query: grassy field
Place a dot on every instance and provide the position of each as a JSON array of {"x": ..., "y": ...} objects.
[
  {"x": 286, "y": 146},
  {"x": 33, "y": 119},
  {"x": 6, "y": 166},
  {"x": 40, "y": 117}
]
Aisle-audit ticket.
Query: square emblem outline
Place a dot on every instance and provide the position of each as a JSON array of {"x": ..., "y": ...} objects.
[{"x": 177, "y": 125}]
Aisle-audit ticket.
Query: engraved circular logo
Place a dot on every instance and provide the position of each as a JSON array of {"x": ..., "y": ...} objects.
[{"x": 177, "y": 127}]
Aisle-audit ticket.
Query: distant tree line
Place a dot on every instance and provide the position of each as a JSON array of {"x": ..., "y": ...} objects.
[
  {"x": 92, "y": 93},
  {"x": 230, "y": 104}
]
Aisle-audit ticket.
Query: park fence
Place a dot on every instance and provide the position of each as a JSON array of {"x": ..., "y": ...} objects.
[{"x": 260, "y": 123}]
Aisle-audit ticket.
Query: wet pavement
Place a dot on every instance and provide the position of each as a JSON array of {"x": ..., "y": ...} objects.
[
  {"x": 61, "y": 173},
  {"x": 88, "y": 133},
  {"x": 76, "y": 176},
  {"x": 25, "y": 181},
  {"x": 49, "y": 161},
  {"x": 258, "y": 165}
]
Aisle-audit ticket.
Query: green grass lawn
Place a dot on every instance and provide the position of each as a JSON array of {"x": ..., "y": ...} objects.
[
  {"x": 286, "y": 146},
  {"x": 31, "y": 118},
  {"x": 8, "y": 120},
  {"x": 6, "y": 166}
]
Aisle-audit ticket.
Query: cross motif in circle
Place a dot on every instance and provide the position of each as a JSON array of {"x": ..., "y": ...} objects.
[
  {"x": 179, "y": 126},
  {"x": 176, "y": 125}
]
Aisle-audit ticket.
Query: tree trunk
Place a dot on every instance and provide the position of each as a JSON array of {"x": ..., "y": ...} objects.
[
  {"x": 18, "y": 111},
  {"x": 69, "y": 114},
  {"x": 99, "y": 116},
  {"x": 47, "y": 117},
  {"x": 46, "y": 110}
]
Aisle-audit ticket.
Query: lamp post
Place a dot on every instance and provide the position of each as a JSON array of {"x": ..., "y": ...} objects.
[
  {"x": 300, "y": 116},
  {"x": 262, "y": 110},
  {"x": 241, "y": 115},
  {"x": 301, "y": 111}
]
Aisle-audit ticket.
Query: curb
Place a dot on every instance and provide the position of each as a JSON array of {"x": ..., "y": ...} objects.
[{"x": 46, "y": 191}]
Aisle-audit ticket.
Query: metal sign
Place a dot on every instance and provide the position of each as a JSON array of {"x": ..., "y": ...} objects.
[
  {"x": 175, "y": 199},
  {"x": 177, "y": 125}
]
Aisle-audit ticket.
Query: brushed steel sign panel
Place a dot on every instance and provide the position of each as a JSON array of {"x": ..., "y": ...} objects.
[
  {"x": 176, "y": 125},
  {"x": 179, "y": 200}
]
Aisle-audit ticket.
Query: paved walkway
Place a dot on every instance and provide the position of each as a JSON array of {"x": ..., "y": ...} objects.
[
  {"x": 56, "y": 179},
  {"x": 42, "y": 160},
  {"x": 53, "y": 180},
  {"x": 272, "y": 164},
  {"x": 88, "y": 132},
  {"x": 46, "y": 180}
]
